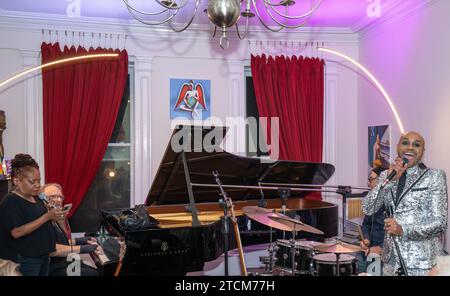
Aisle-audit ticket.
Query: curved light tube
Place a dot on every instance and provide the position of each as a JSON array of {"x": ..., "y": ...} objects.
[
  {"x": 63, "y": 61},
  {"x": 374, "y": 80}
]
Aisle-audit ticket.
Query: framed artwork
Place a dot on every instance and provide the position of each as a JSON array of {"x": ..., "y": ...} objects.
[
  {"x": 379, "y": 146},
  {"x": 190, "y": 99}
]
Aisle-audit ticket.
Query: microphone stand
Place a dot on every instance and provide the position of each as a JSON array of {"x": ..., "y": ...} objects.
[
  {"x": 390, "y": 214},
  {"x": 225, "y": 231},
  {"x": 400, "y": 257},
  {"x": 284, "y": 194},
  {"x": 345, "y": 191},
  {"x": 261, "y": 203}
]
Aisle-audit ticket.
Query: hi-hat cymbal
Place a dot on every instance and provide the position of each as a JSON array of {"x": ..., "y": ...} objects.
[
  {"x": 263, "y": 216},
  {"x": 339, "y": 248},
  {"x": 296, "y": 225}
]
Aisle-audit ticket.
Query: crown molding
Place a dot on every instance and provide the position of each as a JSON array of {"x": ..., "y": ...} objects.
[
  {"x": 392, "y": 12},
  {"x": 36, "y": 22}
]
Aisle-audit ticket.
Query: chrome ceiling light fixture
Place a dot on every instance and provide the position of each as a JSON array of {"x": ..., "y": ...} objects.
[{"x": 226, "y": 13}]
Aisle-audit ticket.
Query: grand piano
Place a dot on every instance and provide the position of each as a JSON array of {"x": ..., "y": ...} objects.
[{"x": 183, "y": 202}]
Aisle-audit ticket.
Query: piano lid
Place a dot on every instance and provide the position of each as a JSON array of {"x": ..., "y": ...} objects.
[{"x": 169, "y": 185}]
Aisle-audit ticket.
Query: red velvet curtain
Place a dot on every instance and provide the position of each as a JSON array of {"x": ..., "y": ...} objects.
[
  {"x": 293, "y": 90},
  {"x": 80, "y": 101}
]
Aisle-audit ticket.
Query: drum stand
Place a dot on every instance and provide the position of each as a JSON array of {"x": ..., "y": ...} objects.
[
  {"x": 338, "y": 273},
  {"x": 271, "y": 252},
  {"x": 269, "y": 261},
  {"x": 284, "y": 194},
  {"x": 293, "y": 251}
]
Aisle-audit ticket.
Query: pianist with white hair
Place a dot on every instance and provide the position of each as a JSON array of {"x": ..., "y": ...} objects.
[{"x": 60, "y": 263}]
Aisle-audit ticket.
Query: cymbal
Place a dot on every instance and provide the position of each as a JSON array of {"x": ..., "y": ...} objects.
[
  {"x": 255, "y": 210},
  {"x": 263, "y": 216},
  {"x": 339, "y": 248},
  {"x": 296, "y": 225}
]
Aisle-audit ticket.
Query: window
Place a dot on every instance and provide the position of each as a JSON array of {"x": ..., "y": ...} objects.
[
  {"x": 253, "y": 141},
  {"x": 111, "y": 186}
]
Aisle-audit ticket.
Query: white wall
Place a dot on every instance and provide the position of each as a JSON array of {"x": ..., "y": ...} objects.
[
  {"x": 411, "y": 59},
  {"x": 159, "y": 55},
  {"x": 193, "y": 68},
  {"x": 12, "y": 102}
]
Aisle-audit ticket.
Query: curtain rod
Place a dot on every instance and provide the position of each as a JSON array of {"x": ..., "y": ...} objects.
[
  {"x": 285, "y": 47},
  {"x": 83, "y": 38}
]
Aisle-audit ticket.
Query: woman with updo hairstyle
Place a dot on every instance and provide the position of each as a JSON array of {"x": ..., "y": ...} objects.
[{"x": 26, "y": 231}]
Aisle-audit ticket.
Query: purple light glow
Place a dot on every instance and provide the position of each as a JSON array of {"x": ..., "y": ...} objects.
[{"x": 331, "y": 13}]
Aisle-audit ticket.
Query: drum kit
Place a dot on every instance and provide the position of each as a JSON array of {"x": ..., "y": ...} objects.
[{"x": 299, "y": 257}]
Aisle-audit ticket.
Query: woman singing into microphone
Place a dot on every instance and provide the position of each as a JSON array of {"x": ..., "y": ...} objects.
[{"x": 26, "y": 231}]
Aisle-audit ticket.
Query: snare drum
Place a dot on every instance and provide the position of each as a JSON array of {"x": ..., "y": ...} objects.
[
  {"x": 325, "y": 264},
  {"x": 304, "y": 251}
]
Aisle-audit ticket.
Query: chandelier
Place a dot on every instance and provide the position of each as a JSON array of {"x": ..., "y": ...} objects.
[{"x": 224, "y": 14}]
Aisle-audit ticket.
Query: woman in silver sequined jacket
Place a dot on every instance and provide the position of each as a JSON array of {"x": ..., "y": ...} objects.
[{"x": 419, "y": 213}]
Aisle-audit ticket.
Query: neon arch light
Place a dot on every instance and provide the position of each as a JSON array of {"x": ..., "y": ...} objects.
[
  {"x": 374, "y": 80},
  {"x": 62, "y": 61}
]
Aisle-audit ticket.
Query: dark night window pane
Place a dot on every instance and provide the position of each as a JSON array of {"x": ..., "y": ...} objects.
[
  {"x": 253, "y": 140},
  {"x": 111, "y": 186}
]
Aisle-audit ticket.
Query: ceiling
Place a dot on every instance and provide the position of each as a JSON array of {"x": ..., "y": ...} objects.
[{"x": 331, "y": 13}]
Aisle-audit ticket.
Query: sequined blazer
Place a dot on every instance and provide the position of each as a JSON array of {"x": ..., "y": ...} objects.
[{"x": 421, "y": 210}]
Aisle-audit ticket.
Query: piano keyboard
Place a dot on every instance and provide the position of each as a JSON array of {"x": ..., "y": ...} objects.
[{"x": 108, "y": 250}]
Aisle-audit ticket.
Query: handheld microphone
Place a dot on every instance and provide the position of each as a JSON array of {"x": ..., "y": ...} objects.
[
  {"x": 43, "y": 198},
  {"x": 393, "y": 173}
]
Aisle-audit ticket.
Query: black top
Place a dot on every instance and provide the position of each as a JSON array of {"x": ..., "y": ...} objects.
[
  {"x": 16, "y": 211},
  {"x": 60, "y": 236}
]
